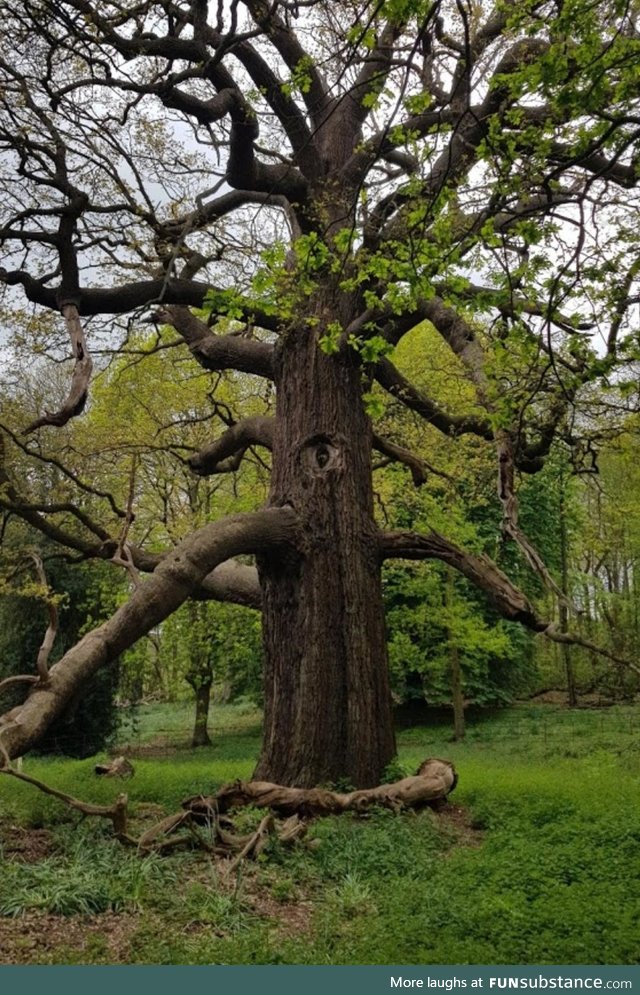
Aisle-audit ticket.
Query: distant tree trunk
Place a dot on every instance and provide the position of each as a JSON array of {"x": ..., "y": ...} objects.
[
  {"x": 200, "y": 728},
  {"x": 455, "y": 674},
  {"x": 328, "y": 712},
  {"x": 200, "y": 673},
  {"x": 565, "y": 649}
]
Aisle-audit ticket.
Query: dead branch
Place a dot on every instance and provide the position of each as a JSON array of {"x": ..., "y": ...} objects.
[
  {"x": 571, "y": 639},
  {"x": 433, "y": 782},
  {"x": 117, "y": 812},
  {"x": 256, "y": 844},
  {"x": 75, "y": 402},
  {"x": 123, "y": 556}
]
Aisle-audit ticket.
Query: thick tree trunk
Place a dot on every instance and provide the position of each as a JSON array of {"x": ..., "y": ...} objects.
[
  {"x": 328, "y": 711},
  {"x": 200, "y": 728}
]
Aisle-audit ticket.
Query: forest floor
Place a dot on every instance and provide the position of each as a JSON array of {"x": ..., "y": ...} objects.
[{"x": 535, "y": 860}]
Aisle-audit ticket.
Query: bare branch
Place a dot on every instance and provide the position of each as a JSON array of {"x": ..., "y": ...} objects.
[
  {"x": 117, "y": 812},
  {"x": 571, "y": 639},
  {"x": 420, "y": 468},
  {"x": 256, "y": 431},
  {"x": 399, "y": 387},
  {"x": 219, "y": 352},
  {"x": 479, "y": 569},
  {"x": 42, "y": 661},
  {"x": 510, "y": 524}
]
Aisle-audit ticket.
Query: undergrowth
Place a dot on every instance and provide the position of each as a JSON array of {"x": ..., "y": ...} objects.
[{"x": 536, "y": 870}]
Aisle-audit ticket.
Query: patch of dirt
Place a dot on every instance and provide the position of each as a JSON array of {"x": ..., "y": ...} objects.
[
  {"x": 33, "y": 938},
  {"x": 290, "y": 918},
  {"x": 590, "y": 699},
  {"x": 25, "y": 845},
  {"x": 162, "y": 746},
  {"x": 459, "y": 823}
]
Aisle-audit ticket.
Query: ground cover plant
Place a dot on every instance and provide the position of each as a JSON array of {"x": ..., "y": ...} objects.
[{"x": 530, "y": 863}]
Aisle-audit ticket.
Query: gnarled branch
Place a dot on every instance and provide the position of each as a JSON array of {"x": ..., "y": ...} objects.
[
  {"x": 257, "y": 431},
  {"x": 219, "y": 352},
  {"x": 479, "y": 569},
  {"x": 389, "y": 377}
]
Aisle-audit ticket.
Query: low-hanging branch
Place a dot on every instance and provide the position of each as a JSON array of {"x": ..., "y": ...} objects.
[
  {"x": 176, "y": 578},
  {"x": 505, "y": 597}
]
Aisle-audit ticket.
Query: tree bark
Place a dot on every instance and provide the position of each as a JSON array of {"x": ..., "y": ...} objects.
[{"x": 328, "y": 710}]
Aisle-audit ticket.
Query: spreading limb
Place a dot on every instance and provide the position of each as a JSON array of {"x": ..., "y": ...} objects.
[
  {"x": 231, "y": 445},
  {"x": 174, "y": 580}
]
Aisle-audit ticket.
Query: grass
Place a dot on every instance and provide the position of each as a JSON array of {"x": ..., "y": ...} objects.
[{"x": 538, "y": 871}]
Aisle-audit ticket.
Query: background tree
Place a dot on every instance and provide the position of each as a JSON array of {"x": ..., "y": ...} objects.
[{"x": 325, "y": 176}]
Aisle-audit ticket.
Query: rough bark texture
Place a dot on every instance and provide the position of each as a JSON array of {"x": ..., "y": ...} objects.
[{"x": 327, "y": 697}]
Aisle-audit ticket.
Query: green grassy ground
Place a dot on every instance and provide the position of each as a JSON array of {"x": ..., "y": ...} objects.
[{"x": 538, "y": 862}]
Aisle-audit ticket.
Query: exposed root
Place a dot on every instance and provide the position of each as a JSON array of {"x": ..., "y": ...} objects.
[
  {"x": 434, "y": 780},
  {"x": 206, "y": 826}
]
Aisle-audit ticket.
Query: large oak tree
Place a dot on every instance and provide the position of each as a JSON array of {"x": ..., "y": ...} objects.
[{"x": 292, "y": 186}]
